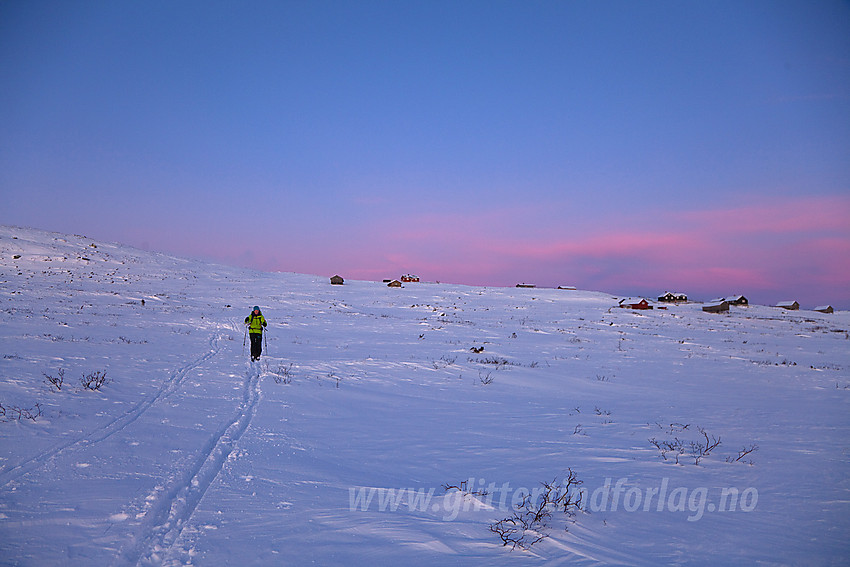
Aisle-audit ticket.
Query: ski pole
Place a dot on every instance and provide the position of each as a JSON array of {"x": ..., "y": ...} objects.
[{"x": 245, "y": 338}]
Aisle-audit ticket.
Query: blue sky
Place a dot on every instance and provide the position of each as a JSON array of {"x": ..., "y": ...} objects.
[{"x": 632, "y": 147}]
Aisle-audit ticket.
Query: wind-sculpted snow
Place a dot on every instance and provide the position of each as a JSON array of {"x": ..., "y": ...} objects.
[{"x": 408, "y": 426}]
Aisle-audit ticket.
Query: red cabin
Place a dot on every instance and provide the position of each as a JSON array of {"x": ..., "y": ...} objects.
[{"x": 633, "y": 303}]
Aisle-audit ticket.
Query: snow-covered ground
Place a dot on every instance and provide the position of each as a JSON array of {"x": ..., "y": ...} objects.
[{"x": 335, "y": 448}]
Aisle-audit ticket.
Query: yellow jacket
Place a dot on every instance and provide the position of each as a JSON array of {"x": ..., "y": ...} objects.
[{"x": 255, "y": 323}]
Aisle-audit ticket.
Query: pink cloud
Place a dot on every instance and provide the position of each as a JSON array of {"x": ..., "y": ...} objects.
[
  {"x": 820, "y": 213},
  {"x": 612, "y": 245},
  {"x": 752, "y": 248},
  {"x": 749, "y": 246}
]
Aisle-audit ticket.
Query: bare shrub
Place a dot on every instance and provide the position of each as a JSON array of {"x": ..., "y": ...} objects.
[
  {"x": 743, "y": 453},
  {"x": 463, "y": 487},
  {"x": 283, "y": 375},
  {"x": 492, "y": 360},
  {"x": 15, "y": 413},
  {"x": 529, "y": 523},
  {"x": 94, "y": 380},
  {"x": 55, "y": 381},
  {"x": 485, "y": 378},
  {"x": 675, "y": 446},
  {"x": 445, "y": 361},
  {"x": 699, "y": 449}
]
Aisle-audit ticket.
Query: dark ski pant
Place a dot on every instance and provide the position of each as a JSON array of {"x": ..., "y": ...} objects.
[{"x": 256, "y": 345}]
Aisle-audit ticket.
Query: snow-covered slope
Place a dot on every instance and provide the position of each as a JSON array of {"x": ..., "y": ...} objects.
[{"x": 336, "y": 447}]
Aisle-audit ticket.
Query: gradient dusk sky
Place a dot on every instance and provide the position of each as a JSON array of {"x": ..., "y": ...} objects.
[{"x": 623, "y": 146}]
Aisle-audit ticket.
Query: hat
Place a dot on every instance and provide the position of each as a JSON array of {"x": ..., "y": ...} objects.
[{"x": 256, "y": 308}]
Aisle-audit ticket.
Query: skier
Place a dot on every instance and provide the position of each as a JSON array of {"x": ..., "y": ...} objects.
[{"x": 256, "y": 323}]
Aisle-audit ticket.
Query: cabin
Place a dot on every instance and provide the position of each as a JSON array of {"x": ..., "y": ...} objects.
[
  {"x": 635, "y": 303},
  {"x": 716, "y": 307},
  {"x": 671, "y": 297},
  {"x": 825, "y": 309},
  {"x": 567, "y": 287},
  {"x": 394, "y": 283},
  {"x": 736, "y": 300},
  {"x": 790, "y": 305},
  {"x": 409, "y": 278},
  {"x": 337, "y": 280},
  {"x": 528, "y": 285}
]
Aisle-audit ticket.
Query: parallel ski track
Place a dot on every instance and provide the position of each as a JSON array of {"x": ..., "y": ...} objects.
[
  {"x": 169, "y": 515},
  {"x": 105, "y": 431}
]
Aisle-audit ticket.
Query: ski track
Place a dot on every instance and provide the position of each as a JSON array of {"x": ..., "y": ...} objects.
[
  {"x": 118, "y": 424},
  {"x": 170, "y": 513}
]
